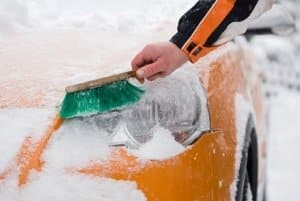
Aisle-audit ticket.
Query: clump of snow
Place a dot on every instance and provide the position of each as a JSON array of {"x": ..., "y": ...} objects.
[
  {"x": 161, "y": 146},
  {"x": 77, "y": 143}
]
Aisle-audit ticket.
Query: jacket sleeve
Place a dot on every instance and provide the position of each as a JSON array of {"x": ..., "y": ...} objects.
[{"x": 213, "y": 22}]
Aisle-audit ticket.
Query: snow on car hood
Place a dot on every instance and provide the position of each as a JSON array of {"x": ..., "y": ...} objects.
[
  {"x": 75, "y": 144},
  {"x": 57, "y": 186},
  {"x": 16, "y": 124}
]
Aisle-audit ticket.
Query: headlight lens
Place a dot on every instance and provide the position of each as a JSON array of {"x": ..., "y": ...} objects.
[
  {"x": 177, "y": 103},
  {"x": 174, "y": 108}
]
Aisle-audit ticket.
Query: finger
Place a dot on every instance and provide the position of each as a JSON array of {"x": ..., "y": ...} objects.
[
  {"x": 154, "y": 77},
  {"x": 146, "y": 56},
  {"x": 149, "y": 70},
  {"x": 138, "y": 61},
  {"x": 164, "y": 74},
  {"x": 143, "y": 58}
]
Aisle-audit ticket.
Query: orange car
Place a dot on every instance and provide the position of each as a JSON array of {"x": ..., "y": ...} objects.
[{"x": 210, "y": 114}]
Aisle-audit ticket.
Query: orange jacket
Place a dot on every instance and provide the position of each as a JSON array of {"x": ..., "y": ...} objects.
[{"x": 213, "y": 22}]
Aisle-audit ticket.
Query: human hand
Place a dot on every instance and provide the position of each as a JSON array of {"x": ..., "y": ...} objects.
[{"x": 158, "y": 60}]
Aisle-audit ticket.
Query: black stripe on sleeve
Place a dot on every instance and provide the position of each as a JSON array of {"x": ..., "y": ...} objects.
[{"x": 190, "y": 20}]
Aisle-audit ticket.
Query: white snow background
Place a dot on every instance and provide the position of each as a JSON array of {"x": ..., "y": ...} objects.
[{"x": 143, "y": 16}]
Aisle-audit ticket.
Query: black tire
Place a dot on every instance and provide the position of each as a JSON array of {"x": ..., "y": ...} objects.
[
  {"x": 243, "y": 184},
  {"x": 247, "y": 180},
  {"x": 247, "y": 193}
]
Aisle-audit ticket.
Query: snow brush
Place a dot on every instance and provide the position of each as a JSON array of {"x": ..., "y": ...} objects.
[{"x": 100, "y": 95}]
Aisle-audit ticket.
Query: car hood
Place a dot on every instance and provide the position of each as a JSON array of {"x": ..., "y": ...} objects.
[{"x": 39, "y": 65}]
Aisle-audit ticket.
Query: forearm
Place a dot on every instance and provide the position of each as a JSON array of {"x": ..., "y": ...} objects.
[{"x": 212, "y": 22}]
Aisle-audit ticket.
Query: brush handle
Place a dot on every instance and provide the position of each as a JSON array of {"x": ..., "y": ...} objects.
[{"x": 99, "y": 82}]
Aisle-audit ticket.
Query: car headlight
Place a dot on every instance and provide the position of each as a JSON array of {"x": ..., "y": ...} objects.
[{"x": 177, "y": 103}]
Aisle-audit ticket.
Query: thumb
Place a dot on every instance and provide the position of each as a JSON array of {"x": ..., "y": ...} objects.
[{"x": 149, "y": 70}]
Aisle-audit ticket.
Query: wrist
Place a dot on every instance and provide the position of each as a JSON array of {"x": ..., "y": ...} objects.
[{"x": 180, "y": 56}]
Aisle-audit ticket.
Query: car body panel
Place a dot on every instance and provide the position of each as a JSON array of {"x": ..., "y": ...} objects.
[{"x": 207, "y": 170}]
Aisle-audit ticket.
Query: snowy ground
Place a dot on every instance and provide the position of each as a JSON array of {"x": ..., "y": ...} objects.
[
  {"x": 284, "y": 147},
  {"x": 280, "y": 60}
]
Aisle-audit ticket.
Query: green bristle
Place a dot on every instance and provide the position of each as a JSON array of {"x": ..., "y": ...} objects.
[{"x": 102, "y": 99}]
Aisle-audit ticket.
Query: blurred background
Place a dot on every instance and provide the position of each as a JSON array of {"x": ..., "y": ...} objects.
[{"x": 277, "y": 60}]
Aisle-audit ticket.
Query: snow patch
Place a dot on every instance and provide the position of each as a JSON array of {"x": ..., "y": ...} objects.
[
  {"x": 16, "y": 124},
  {"x": 58, "y": 186},
  {"x": 161, "y": 146},
  {"x": 77, "y": 143}
]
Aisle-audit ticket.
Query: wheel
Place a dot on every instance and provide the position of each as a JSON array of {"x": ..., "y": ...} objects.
[
  {"x": 247, "y": 180},
  {"x": 247, "y": 193},
  {"x": 244, "y": 192}
]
